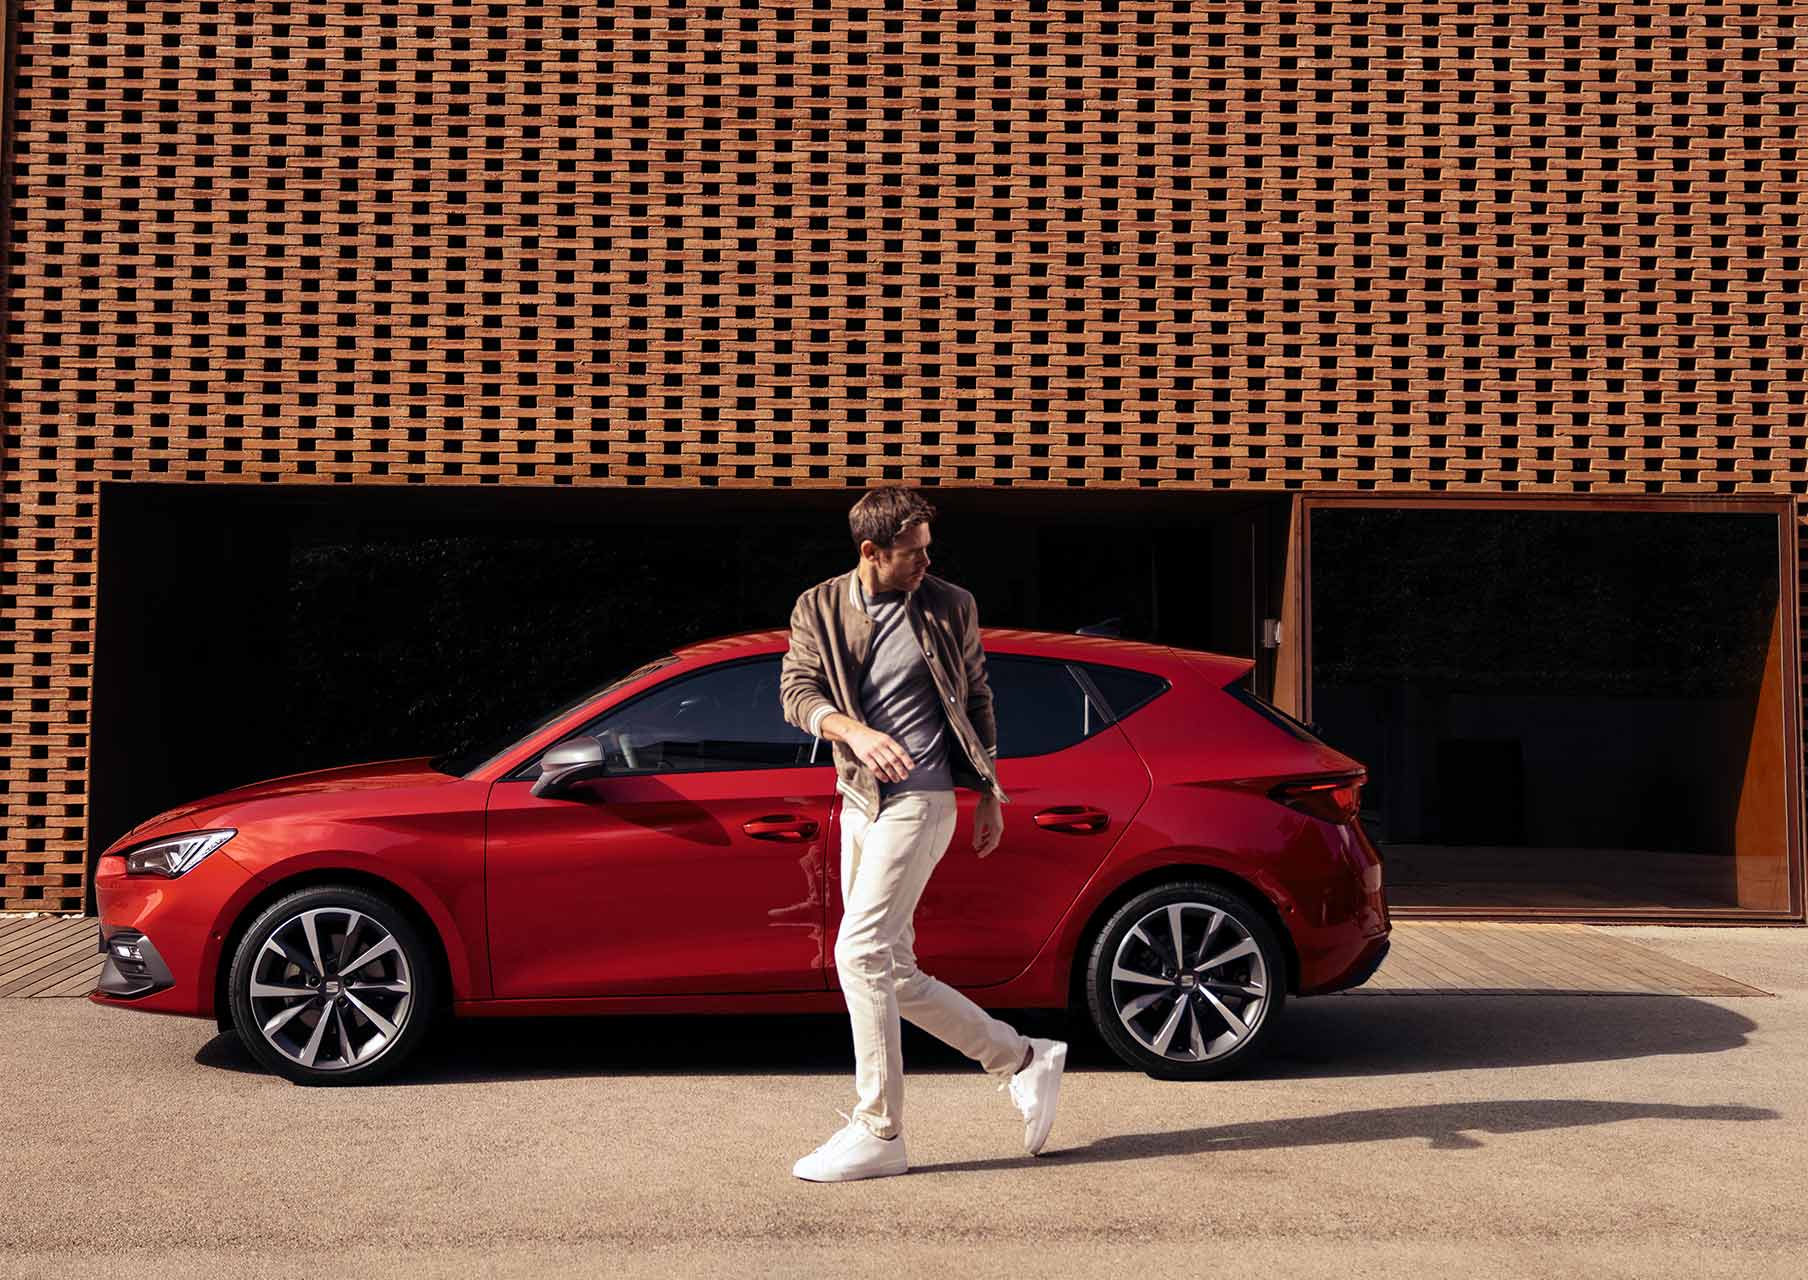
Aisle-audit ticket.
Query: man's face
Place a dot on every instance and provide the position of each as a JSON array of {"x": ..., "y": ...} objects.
[{"x": 901, "y": 566}]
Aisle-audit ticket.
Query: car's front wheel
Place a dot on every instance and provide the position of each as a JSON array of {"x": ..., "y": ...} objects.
[
  {"x": 332, "y": 985},
  {"x": 1186, "y": 980}
]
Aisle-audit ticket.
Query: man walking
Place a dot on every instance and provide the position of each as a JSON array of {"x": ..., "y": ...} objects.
[{"x": 885, "y": 662}]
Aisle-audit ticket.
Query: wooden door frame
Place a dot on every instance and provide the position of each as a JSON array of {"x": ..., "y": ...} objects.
[{"x": 1789, "y": 526}]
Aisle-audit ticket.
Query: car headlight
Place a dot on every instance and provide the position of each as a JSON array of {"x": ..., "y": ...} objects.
[{"x": 173, "y": 856}]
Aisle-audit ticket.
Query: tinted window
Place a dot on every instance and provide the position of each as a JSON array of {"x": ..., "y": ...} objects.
[
  {"x": 1268, "y": 711},
  {"x": 724, "y": 717},
  {"x": 1040, "y": 707},
  {"x": 1123, "y": 689}
]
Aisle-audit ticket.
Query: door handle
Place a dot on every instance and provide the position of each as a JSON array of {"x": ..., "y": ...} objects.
[
  {"x": 780, "y": 826},
  {"x": 1078, "y": 819}
]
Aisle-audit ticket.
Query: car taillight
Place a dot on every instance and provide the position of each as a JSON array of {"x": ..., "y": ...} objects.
[{"x": 1328, "y": 799}]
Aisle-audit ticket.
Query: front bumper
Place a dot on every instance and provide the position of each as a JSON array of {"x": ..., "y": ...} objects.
[
  {"x": 177, "y": 928},
  {"x": 134, "y": 965}
]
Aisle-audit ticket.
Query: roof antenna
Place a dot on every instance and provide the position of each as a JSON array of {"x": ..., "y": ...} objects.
[{"x": 1109, "y": 627}]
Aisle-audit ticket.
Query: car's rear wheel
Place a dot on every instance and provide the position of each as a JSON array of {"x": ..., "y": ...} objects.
[
  {"x": 332, "y": 985},
  {"x": 1186, "y": 981}
]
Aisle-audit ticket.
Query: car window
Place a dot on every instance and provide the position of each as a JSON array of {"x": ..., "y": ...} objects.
[
  {"x": 1123, "y": 688},
  {"x": 1241, "y": 691},
  {"x": 723, "y": 717},
  {"x": 1040, "y": 707}
]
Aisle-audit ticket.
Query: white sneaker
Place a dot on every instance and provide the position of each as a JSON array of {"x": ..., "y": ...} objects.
[
  {"x": 853, "y": 1152},
  {"x": 1035, "y": 1089}
]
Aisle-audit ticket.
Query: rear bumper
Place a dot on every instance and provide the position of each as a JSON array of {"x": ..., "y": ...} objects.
[{"x": 1360, "y": 970}]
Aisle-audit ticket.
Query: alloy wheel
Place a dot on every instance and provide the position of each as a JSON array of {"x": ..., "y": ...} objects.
[
  {"x": 1188, "y": 982},
  {"x": 331, "y": 989}
]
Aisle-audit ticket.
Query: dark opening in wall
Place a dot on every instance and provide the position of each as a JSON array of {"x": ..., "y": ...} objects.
[
  {"x": 1560, "y": 708},
  {"x": 245, "y": 634}
]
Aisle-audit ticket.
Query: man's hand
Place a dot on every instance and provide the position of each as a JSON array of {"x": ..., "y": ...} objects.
[
  {"x": 878, "y": 752},
  {"x": 988, "y": 825}
]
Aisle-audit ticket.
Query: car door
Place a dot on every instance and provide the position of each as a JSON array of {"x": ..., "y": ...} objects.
[
  {"x": 694, "y": 865},
  {"x": 1075, "y": 783}
]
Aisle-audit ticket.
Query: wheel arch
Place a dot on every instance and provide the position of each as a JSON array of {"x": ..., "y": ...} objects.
[
  {"x": 1171, "y": 873},
  {"x": 314, "y": 877}
]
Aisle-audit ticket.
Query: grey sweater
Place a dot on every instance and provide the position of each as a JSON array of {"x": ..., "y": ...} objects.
[{"x": 898, "y": 697}]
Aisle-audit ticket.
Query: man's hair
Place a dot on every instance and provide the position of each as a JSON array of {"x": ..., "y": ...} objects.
[{"x": 885, "y": 512}]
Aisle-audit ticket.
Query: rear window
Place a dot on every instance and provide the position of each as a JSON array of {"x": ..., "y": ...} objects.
[
  {"x": 1123, "y": 689},
  {"x": 1268, "y": 711}
]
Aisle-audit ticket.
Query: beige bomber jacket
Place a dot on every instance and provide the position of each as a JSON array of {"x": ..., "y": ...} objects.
[{"x": 831, "y": 641}]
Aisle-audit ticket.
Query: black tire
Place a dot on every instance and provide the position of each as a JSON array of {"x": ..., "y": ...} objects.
[
  {"x": 356, "y": 1008},
  {"x": 1264, "y": 966}
]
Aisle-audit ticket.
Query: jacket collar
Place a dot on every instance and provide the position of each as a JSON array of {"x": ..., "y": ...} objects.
[
  {"x": 857, "y": 625},
  {"x": 850, "y": 599}
]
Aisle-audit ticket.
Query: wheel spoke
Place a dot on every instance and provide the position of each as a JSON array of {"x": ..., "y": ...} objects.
[
  {"x": 313, "y": 936},
  {"x": 1193, "y": 1031},
  {"x": 1235, "y": 1023},
  {"x": 1165, "y": 1036},
  {"x": 1174, "y": 928},
  {"x": 352, "y": 920},
  {"x": 267, "y": 989},
  {"x": 1121, "y": 974},
  {"x": 377, "y": 949},
  {"x": 1237, "y": 988},
  {"x": 1247, "y": 947},
  {"x": 383, "y": 1024},
  {"x": 312, "y": 1051},
  {"x": 282, "y": 1019},
  {"x": 394, "y": 988},
  {"x": 1137, "y": 1005},
  {"x": 1211, "y": 931},
  {"x": 346, "y": 1052},
  {"x": 293, "y": 956}
]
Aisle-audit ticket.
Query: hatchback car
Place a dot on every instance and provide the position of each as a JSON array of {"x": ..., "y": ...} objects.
[{"x": 1179, "y": 856}]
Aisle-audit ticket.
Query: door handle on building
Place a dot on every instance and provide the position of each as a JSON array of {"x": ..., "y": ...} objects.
[
  {"x": 1078, "y": 819},
  {"x": 780, "y": 826}
]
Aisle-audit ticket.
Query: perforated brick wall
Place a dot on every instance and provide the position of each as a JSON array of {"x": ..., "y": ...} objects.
[{"x": 1460, "y": 247}]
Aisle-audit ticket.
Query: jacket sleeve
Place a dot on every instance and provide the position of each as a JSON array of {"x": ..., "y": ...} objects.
[
  {"x": 979, "y": 689},
  {"x": 802, "y": 684}
]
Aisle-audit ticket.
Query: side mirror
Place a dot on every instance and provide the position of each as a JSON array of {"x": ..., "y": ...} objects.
[{"x": 569, "y": 762}]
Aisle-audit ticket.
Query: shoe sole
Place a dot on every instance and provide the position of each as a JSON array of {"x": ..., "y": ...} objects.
[
  {"x": 853, "y": 1177},
  {"x": 1033, "y": 1145}
]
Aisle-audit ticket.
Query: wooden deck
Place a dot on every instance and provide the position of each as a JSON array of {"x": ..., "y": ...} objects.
[
  {"x": 1520, "y": 959},
  {"x": 47, "y": 955}
]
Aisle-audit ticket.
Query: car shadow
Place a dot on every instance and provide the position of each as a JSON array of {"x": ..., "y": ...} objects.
[
  {"x": 1330, "y": 1037},
  {"x": 1445, "y": 1126}
]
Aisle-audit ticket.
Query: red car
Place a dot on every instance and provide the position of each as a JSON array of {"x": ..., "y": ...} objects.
[{"x": 1178, "y": 856}]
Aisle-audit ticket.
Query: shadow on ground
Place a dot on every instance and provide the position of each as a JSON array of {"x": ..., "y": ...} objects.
[
  {"x": 1449, "y": 1126},
  {"x": 1336, "y": 1036}
]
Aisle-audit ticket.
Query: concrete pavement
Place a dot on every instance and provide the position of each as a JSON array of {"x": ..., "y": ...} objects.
[{"x": 1489, "y": 1135}]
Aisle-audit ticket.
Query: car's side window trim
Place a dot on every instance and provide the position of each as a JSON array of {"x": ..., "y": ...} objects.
[
  {"x": 1093, "y": 696},
  {"x": 529, "y": 769},
  {"x": 1161, "y": 685}
]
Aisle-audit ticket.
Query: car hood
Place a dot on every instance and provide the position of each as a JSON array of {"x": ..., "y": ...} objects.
[{"x": 217, "y": 810}]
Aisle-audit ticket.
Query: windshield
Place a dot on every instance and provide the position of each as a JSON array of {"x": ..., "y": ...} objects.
[{"x": 476, "y": 751}]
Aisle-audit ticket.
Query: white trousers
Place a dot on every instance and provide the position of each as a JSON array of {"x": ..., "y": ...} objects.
[{"x": 885, "y": 863}]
